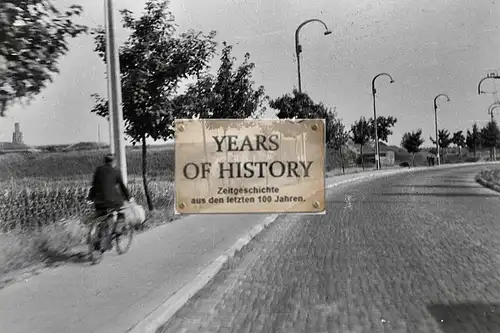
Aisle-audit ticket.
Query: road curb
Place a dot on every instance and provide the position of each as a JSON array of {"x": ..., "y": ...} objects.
[
  {"x": 172, "y": 305},
  {"x": 168, "y": 309}
]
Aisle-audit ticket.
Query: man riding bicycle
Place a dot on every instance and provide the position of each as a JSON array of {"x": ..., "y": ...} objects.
[{"x": 105, "y": 195}]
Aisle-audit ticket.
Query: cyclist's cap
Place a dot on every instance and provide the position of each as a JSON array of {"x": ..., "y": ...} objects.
[{"x": 109, "y": 158}]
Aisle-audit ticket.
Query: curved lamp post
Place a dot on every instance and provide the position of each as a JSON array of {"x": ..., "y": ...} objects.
[
  {"x": 491, "y": 76},
  {"x": 436, "y": 124},
  {"x": 298, "y": 47},
  {"x": 492, "y": 107},
  {"x": 374, "y": 91}
]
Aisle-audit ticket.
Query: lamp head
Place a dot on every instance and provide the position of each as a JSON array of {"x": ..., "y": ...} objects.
[
  {"x": 392, "y": 81},
  {"x": 327, "y": 32},
  {"x": 447, "y": 99}
]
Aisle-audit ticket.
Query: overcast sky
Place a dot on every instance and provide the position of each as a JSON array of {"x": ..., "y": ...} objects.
[{"x": 428, "y": 46}]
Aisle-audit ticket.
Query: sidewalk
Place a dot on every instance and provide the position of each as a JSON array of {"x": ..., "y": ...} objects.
[{"x": 123, "y": 290}]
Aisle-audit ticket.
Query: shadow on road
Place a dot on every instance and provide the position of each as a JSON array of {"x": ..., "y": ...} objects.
[
  {"x": 467, "y": 317},
  {"x": 437, "y": 186},
  {"x": 449, "y": 194},
  {"x": 75, "y": 257}
]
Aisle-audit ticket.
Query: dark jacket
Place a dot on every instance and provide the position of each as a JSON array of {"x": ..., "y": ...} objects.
[{"x": 104, "y": 191}]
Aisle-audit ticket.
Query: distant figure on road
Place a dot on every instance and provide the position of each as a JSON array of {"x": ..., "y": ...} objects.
[{"x": 104, "y": 191}]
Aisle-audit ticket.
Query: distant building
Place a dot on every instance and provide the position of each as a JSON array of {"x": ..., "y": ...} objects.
[
  {"x": 17, "y": 136},
  {"x": 387, "y": 158},
  {"x": 17, "y": 145}
]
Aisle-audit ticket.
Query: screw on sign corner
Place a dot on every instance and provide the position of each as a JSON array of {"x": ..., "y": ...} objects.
[
  {"x": 182, "y": 205},
  {"x": 316, "y": 204},
  {"x": 180, "y": 127},
  {"x": 314, "y": 127}
]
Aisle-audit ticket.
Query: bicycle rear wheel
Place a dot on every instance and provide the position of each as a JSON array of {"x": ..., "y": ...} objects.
[
  {"x": 93, "y": 239},
  {"x": 124, "y": 233}
]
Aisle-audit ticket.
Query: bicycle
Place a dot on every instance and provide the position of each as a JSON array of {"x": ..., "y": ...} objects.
[{"x": 117, "y": 225}]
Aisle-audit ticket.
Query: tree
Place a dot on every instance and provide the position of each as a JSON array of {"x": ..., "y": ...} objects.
[
  {"x": 458, "y": 139},
  {"x": 444, "y": 141},
  {"x": 301, "y": 106},
  {"x": 336, "y": 136},
  {"x": 229, "y": 94},
  {"x": 412, "y": 142},
  {"x": 361, "y": 135},
  {"x": 384, "y": 125},
  {"x": 34, "y": 35},
  {"x": 153, "y": 61},
  {"x": 473, "y": 139},
  {"x": 490, "y": 137}
]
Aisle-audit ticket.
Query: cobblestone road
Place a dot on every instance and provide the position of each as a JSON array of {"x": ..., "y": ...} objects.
[{"x": 410, "y": 253}]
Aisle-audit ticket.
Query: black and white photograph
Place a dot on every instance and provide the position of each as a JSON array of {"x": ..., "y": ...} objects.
[{"x": 249, "y": 166}]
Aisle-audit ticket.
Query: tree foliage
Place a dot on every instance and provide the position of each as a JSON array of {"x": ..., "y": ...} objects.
[
  {"x": 34, "y": 35},
  {"x": 490, "y": 135},
  {"x": 229, "y": 94},
  {"x": 153, "y": 62},
  {"x": 458, "y": 139},
  {"x": 384, "y": 125},
  {"x": 298, "y": 105},
  {"x": 301, "y": 106},
  {"x": 444, "y": 138},
  {"x": 473, "y": 139},
  {"x": 361, "y": 131},
  {"x": 336, "y": 135},
  {"x": 412, "y": 141}
]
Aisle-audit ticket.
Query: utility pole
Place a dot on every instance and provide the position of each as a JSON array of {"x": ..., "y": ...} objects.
[
  {"x": 114, "y": 92},
  {"x": 108, "y": 85}
]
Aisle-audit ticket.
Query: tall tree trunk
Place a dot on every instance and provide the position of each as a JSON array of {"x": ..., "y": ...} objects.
[
  {"x": 205, "y": 151},
  {"x": 144, "y": 173},
  {"x": 413, "y": 159},
  {"x": 342, "y": 160}
]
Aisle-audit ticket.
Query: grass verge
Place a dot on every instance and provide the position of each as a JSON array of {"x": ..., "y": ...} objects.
[
  {"x": 489, "y": 179},
  {"x": 24, "y": 253}
]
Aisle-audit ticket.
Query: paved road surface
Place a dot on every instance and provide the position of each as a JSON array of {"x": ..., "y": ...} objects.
[
  {"x": 411, "y": 253},
  {"x": 122, "y": 290}
]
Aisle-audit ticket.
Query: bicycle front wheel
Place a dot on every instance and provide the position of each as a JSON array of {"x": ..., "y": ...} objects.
[
  {"x": 95, "y": 255},
  {"x": 124, "y": 233}
]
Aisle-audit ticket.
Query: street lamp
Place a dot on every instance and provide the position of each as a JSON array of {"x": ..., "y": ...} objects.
[
  {"x": 298, "y": 47},
  {"x": 492, "y": 107},
  {"x": 436, "y": 123},
  {"x": 489, "y": 76},
  {"x": 374, "y": 91}
]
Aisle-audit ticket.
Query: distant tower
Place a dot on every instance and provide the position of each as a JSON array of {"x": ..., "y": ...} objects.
[{"x": 17, "y": 136}]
